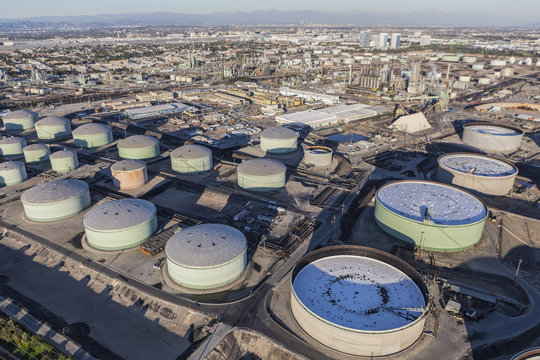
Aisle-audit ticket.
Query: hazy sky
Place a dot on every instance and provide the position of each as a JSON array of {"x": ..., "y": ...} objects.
[{"x": 520, "y": 9}]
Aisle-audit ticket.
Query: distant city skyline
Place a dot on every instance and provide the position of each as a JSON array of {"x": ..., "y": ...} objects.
[{"x": 522, "y": 10}]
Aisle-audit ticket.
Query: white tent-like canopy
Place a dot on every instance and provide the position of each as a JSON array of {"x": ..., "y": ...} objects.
[{"x": 411, "y": 123}]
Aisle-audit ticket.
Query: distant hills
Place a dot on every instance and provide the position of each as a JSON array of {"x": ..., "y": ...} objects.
[{"x": 427, "y": 18}]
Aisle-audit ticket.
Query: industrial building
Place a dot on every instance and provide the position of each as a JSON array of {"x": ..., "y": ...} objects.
[
  {"x": 120, "y": 224},
  {"x": 310, "y": 96},
  {"x": 156, "y": 110},
  {"x": 318, "y": 156},
  {"x": 261, "y": 175},
  {"x": 36, "y": 153},
  {"x": 12, "y": 172},
  {"x": 92, "y": 135},
  {"x": 206, "y": 256},
  {"x": 19, "y": 120},
  {"x": 492, "y": 137},
  {"x": 138, "y": 147},
  {"x": 481, "y": 173},
  {"x": 279, "y": 140},
  {"x": 430, "y": 215},
  {"x": 380, "y": 309},
  {"x": 191, "y": 159},
  {"x": 12, "y": 146},
  {"x": 64, "y": 161},
  {"x": 55, "y": 200},
  {"x": 53, "y": 127},
  {"x": 129, "y": 174}
]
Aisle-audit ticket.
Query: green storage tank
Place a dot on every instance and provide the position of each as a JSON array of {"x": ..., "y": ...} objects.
[
  {"x": 138, "y": 147},
  {"x": 12, "y": 172},
  {"x": 12, "y": 146},
  {"x": 53, "y": 127},
  {"x": 189, "y": 159},
  {"x": 279, "y": 140},
  {"x": 19, "y": 120},
  {"x": 92, "y": 135},
  {"x": 261, "y": 175},
  {"x": 64, "y": 161},
  {"x": 36, "y": 153},
  {"x": 430, "y": 215}
]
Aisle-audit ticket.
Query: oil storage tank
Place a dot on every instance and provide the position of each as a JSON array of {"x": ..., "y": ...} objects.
[
  {"x": 12, "y": 146},
  {"x": 120, "y": 224},
  {"x": 206, "y": 256},
  {"x": 261, "y": 175},
  {"x": 53, "y": 127},
  {"x": 64, "y": 161},
  {"x": 477, "y": 172},
  {"x": 492, "y": 137},
  {"x": 92, "y": 135},
  {"x": 129, "y": 174},
  {"x": 19, "y": 120},
  {"x": 318, "y": 156},
  {"x": 279, "y": 140},
  {"x": 12, "y": 172},
  {"x": 36, "y": 153},
  {"x": 56, "y": 200},
  {"x": 189, "y": 159},
  {"x": 359, "y": 300},
  {"x": 430, "y": 215},
  {"x": 138, "y": 147}
]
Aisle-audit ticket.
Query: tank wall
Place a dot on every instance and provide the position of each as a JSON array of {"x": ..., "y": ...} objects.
[
  {"x": 64, "y": 165},
  {"x": 139, "y": 153},
  {"x": 129, "y": 179},
  {"x": 428, "y": 236},
  {"x": 36, "y": 156},
  {"x": 93, "y": 140},
  {"x": 191, "y": 165},
  {"x": 318, "y": 159},
  {"x": 261, "y": 183},
  {"x": 278, "y": 145},
  {"x": 122, "y": 239},
  {"x": 491, "y": 142},
  {"x": 201, "y": 278},
  {"x": 53, "y": 132},
  {"x": 19, "y": 124},
  {"x": 13, "y": 176},
  {"x": 57, "y": 211},
  {"x": 12, "y": 149},
  {"x": 491, "y": 185}
]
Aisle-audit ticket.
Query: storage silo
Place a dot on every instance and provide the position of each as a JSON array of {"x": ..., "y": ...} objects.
[
  {"x": 477, "y": 172},
  {"x": 92, "y": 135},
  {"x": 19, "y": 120},
  {"x": 492, "y": 137},
  {"x": 206, "y": 256},
  {"x": 12, "y": 146},
  {"x": 318, "y": 156},
  {"x": 358, "y": 300},
  {"x": 53, "y": 127},
  {"x": 138, "y": 147},
  {"x": 12, "y": 172},
  {"x": 64, "y": 161},
  {"x": 36, "y": 153},
  {"x": 56, "y": 200},
  {"x": 129, "y": 174},
  {"x": 430, "y": 215},
  {"x": 189, "y": 159},
  {"x": 278, "y": 140},
  {"x": 261, "y": 175},
  {"x": 120, "y": 224}
]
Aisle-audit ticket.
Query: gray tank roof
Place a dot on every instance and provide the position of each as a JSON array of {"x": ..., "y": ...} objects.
[
  {"x": 138, "y": 141},
  {"x": 279, "y": 133},
  {"x": 261, "y": 167},
  {"x": 191, "y": 152},
  {"x": 119, "y": 214},
  {"x": 54, "y": 191},
  {"x": 206, "y": 245},
  {"x": 12, "y": 140},
  {"x": 91, "y": 129},
  {"x": 20, "y": 114},
  {"x": 10, "y": 165},
  {"x": 35, "y": 147},
  {"x": 63, "y": 154},
  {"x": 52, "y": 121},
  {"x": 479, "y": 165},
  {"x": 128, "y": 165}
]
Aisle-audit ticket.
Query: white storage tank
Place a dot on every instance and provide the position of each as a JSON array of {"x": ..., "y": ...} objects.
[
  {"x": 64, "y": 161},
  {"x": 138, "y": 147},
  {"x": 191, "y": 159},
  {"x": 12, "y": 146},
  {"x": 19, "y": 120},
  {"x": 492, "y": 137},
  {"x": 36, "y": 153},
  {"x": 261, "y": 175},
  {"x": 53, "y": 127},
  {"x": 318, "y": 156},
  {"x": 12, "y": 172},
  {"x": 279, "y": 140},
  {"x": 92, "y": 135}
]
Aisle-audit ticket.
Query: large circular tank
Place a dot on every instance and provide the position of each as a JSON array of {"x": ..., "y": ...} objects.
[
  {"x": 12, "y": 146},
  {"x": 477, "y": 172},
  {"x": 92, "y": 135},
  {"x": 529, "y": 354},
  {"x": 359, "y": 300},
  {"x": 430, "y": 215},
  {"x": 64, "y": 161},
  {"x": 129, "y": 174},
  {"x": 12, "y": 172},
  {"x": 318, "y": 156},
  {"x": 492, "y": 137},
  {"x": 206, "y": 256},
  {"x": 56, "y": 200},
  {"x": 36, "y": 153},
  {"x": 20, "y": 120},
  {"x": 279, "y": 140},
  {"x": 507, "y": 71},
  {"x": 53, "y": 127},
  {"x": 191, "y": 159},
  {"x": 261, "y": 174},
  {"x": 138, "y": 147},
  {"x": 120, "y": 224}
]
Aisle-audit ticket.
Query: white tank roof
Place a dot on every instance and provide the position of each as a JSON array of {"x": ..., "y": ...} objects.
[
  {"x": 19, "y": 114},
  {"x": 63, "y": 154},
  {"x": 442, "y": 204},
  {"x": 54, "y": 191},
  {"x": 493, "y": 130},
  {"x": 119, "y": 214},
  {"x": 91, "y": 129},
  {"x": 477, "y": 165},
  {"x": 205, "y": 245},
  {"x": 12, "y": 140},
  {"x": 52, "y": 121},
  {"x": 128, "y": 165},
  {"x": 10, "y": 165},
  {"x": 189, "y": 152},
  {"x": 261, "y": 167},
  {"x": 279, "y": 133},
  {"x": 359, "y": 293},
  {"x": 138, "y": 141}
]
